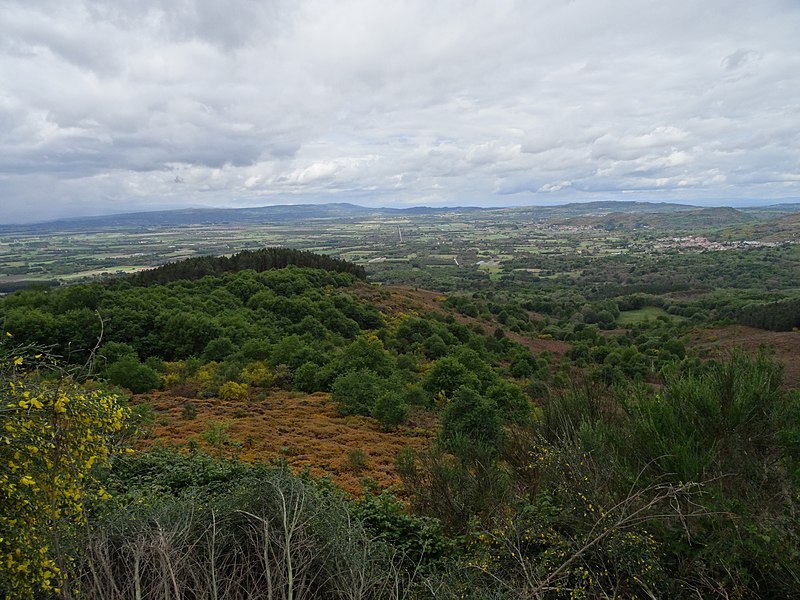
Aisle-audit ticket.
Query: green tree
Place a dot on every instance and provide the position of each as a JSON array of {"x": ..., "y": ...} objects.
[
  {"x": 390, "y": 410},
  {"x": 510, "y": 400},
  {"x": 129, "y": 373},
  {"x": 447, "y": 375},
  {"x": 471, "y": 416},
  {"x": 357, "y": 392}
]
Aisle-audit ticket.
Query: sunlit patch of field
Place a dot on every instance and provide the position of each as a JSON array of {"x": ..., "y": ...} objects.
[
  {"x": 648, "y": 313},
  {"x": 110, "y": 270},
  {"x": 304, "y": 430}
]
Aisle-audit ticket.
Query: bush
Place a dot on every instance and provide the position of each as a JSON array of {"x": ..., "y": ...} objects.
[
  {"x": 53, "y": 433},
  {"x": 306, "y": 378},
  {"x": 447, "y": 375},
  {"x": 357, "y": 459},
  {"x": 457, "y": 486},
  {"x": 112, "y": 352},
  {"x": 234, "y": 392},
  {"x": 510, "y": 400},
  {"x": 720, "y": 421},
  {"x": 421, "y": 540},
  {"x": 218, "y": 349},
  {"x": 133, "y": 375},
  {"x": 258, "y": 374},
  {"x": 471, "y": 416},
  {"x": 357, "y": 392},
  {"x": 189, "y": 411},
  {"x": 390, "y": 410},
  {"x": 241, "y": 532}
]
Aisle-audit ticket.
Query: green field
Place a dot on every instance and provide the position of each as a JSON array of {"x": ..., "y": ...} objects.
[{"x": 648, "y": 313}]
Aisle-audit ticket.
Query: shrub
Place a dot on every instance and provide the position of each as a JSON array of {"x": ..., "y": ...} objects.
[
  {"x": 258, "y": 374},
  {"x": 216, "y": 434},
  {"x": 447, "y": 375},
  {"x": 241, "y": 532},
  {"x": 53, "y": 433},
  {"x": 420, "y": 540},
  {"x": 471, "y": 416},
  {"x": 357, "y": 392},
  {"x": 457, "y": 486},
  {"x": 511, "y": 401},
  {"x": 207, "y": 378},
  {"x": 357, "y": 459},
  {"x": 390, "y": 410},
  {"x": 189, "y": 411},
  {"x": 306, "y": 377},
  {"x": 129, "y": 373},
  {"x": 232, "y": 391},
  {"x": 218, "y": 349},
  {"x": 112, "y": 352}
]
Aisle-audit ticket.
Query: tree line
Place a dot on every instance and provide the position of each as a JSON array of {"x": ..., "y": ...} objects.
[{"x": 264, "y": 259}]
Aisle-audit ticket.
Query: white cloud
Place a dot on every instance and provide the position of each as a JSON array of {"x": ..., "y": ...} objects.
[{"x": 106, "y": 105}]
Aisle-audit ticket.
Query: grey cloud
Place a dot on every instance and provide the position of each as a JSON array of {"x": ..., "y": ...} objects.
[
  {"x": 105, "y": 105},
  {"x": 740, "y": 58}
]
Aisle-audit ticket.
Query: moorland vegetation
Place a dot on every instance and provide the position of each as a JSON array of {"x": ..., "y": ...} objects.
[{"x": 624, "y": 464}]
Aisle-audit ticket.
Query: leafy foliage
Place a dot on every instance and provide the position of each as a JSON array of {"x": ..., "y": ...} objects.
[
  {"x": 54, "y": 434},
  {"x": 129, "y": 373}
]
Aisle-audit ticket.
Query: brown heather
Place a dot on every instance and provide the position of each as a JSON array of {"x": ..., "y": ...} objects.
[{"x": 304, "y": 430}]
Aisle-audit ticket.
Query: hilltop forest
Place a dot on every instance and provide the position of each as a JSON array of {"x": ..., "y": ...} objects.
[{"x": 271, "y": 424}]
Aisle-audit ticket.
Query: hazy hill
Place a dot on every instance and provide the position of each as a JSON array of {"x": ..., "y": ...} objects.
[
  {"x": 220, "y": 216},
  {"x": 334, "y": 211},
  {"x": 786, "y": 228},
  {"x": 693, "y": 218},
  {"x": 773, "y": 210},
  {"x": 611, "y": 214}
]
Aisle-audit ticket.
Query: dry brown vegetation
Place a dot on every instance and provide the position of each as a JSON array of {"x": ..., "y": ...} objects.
[
  {"x": 403, "y": 299},
  {"x": 305, "y": 430},
  {"x": 717, "y": 342}
]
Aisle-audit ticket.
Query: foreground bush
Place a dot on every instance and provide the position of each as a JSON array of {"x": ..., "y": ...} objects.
[
  {"x": 195, "y": 526},
  {"x": 685, "y": 491},
  {"x": 54, "y": 434}
]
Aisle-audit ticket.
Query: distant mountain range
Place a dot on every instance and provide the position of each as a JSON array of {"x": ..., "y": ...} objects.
[
  {"x": 219, "y": 216},
  {"x": 613, "y": 213}
]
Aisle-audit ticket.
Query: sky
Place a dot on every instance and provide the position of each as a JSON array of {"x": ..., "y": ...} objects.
[{"x": 128, "y": 105}]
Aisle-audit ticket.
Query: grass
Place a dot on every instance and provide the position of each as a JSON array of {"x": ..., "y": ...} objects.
[{"x": 648, "y": 313}]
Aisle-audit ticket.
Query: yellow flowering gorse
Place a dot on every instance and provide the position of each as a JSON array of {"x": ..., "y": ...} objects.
[{"x": 52, "y": 434}]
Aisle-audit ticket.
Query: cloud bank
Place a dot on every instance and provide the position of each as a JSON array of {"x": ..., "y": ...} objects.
[{"x": 110, "y": 106}]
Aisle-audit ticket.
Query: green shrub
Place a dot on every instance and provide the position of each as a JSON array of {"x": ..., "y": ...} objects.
[
  {"x": 232, "y": 391},
  {"x": 258, "y": 374},
  {"x": 216, "y": 434},
  {"x": 471, "y": 416},
  {"x": 390, "y": 410},
  {"x": 189, "y": 411},
  {"x": 455, "y": 485},
  {"x": 447, "y": 375},
  {"x": 129, "y": 373},
  {"x": 357, "y": 459},
  {"x": 357, "y": 392},
  {"x": 112, "y": 352},
  {"x": 306, "y": 378}
]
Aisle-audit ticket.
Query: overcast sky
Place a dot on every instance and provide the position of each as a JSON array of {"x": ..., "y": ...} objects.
[{"x": 143, "y": 104}]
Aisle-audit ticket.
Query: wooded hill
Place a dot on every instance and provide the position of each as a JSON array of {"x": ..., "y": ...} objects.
[{"x": 261, "y": 260}]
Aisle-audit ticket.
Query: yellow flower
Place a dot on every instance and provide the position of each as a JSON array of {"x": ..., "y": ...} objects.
[{"x": 17, "y": 360}]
